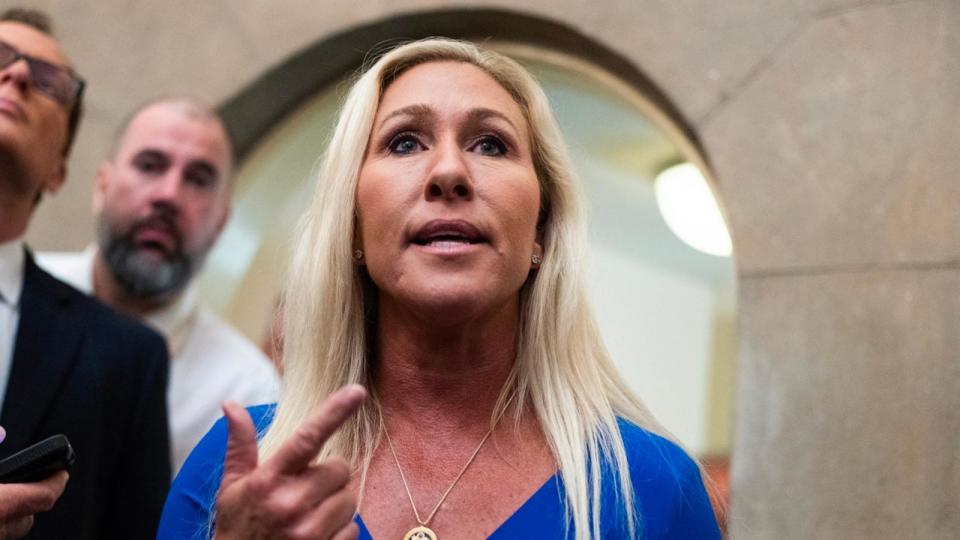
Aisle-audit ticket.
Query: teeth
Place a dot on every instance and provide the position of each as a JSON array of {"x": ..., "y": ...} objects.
[
  {"x": 446, "y": 245},
  {"x": 446, "y": 237},
  {"x": 447, "y": 241},
  {"x": 451, "y": 237}
]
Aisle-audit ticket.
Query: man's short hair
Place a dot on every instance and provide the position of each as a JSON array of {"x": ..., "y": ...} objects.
[
  {"x": 191, "y": 105},
  {"x": 40, "y": 21}
]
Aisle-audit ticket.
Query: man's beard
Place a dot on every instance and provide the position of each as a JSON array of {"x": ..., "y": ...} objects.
[{"x": 140, "y": 274}]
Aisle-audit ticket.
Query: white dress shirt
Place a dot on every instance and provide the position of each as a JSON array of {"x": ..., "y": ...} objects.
[
  {"x": 210, "y": 360},
  {"x": 11, "y": 285}
]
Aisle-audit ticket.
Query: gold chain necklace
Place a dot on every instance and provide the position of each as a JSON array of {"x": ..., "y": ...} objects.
[{"x": 423, "y": 531}]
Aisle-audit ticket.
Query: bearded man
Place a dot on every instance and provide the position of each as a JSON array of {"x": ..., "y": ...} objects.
[{"x": 161, "y": 202}]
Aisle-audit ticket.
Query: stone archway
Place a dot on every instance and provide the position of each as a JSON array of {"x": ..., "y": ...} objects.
[{"x": 278, "y": 91}]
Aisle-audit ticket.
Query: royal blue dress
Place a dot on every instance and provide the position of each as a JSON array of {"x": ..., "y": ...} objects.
[{"x": 667, "y": 487}]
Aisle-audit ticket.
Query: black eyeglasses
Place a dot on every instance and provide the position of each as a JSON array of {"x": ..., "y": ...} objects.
[{"x": 58, "y": 82}]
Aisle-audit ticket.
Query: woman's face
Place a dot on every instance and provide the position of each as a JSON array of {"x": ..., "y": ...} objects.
[{"x": 447, "y": 196}]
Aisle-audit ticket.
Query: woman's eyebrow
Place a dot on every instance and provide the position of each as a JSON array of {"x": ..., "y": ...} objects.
[
  {"x": 417, "y": 111},
  {"x": 482, "y": 113},
  {"x": 421, "y": 111}
]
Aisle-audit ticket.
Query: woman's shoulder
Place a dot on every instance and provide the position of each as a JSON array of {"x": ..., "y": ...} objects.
[
  {"x": 667, "y": 484},
  {"x": 653, "y": 455},
  {"x": 214, "y": 443},
  {"x": 262, "y": 416}
]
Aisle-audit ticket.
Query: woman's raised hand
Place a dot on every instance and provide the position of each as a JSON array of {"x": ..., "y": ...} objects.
[{"x": 288, "y": 496}]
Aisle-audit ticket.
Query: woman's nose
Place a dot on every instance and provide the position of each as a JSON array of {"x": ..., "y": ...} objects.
[{"x": 449, "y": 176}]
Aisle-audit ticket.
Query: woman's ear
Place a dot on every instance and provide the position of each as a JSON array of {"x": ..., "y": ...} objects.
[
  {"x": 357, "y": 244},
  {"x": 537, "y": 256}
]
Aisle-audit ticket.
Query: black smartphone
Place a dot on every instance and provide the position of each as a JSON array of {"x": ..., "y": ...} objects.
[{"x": 37, "y": 461}]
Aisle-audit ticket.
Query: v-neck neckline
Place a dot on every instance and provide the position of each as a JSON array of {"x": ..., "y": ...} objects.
[{"x": 512, "y": 520}]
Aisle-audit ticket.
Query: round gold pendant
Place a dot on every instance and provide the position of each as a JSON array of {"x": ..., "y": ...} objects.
[{"x": 420, "y": 533}]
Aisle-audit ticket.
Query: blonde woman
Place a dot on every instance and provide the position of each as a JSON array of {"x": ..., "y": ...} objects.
[{"x": 441, "y": 267}]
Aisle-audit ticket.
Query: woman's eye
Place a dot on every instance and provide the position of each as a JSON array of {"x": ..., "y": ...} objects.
[
  {"x": 490, "y": 146},
  {"x": 405, "y": 144}
]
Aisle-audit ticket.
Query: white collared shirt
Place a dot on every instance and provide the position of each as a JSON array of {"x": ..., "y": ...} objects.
[
  {"x": 210, "y": 360},
  {"x": 11, "y": 285}
]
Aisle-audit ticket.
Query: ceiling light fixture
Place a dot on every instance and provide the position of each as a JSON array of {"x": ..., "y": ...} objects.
[{"x": 690, "y": 209}]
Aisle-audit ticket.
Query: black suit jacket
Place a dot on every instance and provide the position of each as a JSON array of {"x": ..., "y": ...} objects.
[{"x": 83, "y": 370}]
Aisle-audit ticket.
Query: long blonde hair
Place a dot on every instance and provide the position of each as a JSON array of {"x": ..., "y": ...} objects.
[{"x": 562, "y": 368}]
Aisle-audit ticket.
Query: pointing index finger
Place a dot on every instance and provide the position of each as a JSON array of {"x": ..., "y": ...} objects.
[{"x": 301, "y": 448}]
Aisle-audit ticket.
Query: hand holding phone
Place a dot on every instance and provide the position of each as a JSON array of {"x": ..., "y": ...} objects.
[{"x": 37, "y": 461}]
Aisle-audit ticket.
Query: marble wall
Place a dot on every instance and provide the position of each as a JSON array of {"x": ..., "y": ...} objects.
[{"x": 830, "y": 126}]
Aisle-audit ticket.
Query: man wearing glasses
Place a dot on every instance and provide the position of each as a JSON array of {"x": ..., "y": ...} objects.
[{"x": 68, "y": 364}]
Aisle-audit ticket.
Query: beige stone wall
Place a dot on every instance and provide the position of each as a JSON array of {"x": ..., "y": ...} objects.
[{"x": 831, "y": 125}]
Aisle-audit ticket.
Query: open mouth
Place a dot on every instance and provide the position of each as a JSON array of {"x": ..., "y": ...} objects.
[
  {"x": 157, "y": 236},
  {"x": 155, "y": 241},
  {"x": 446, "y": 239},
  {"x": 448, "y": 233},
  {"x": 154, "y": 246}
]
